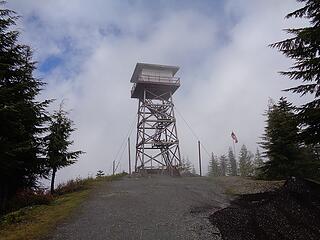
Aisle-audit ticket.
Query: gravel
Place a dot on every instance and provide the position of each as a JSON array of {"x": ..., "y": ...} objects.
[
  {"x": 157, "y": 207},
  {"x": 290, "y": 212}
]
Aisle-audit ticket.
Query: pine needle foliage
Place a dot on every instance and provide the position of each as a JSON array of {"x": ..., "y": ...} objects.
[
  {"x": 22, "y": 117},
  {"x": 257, "y": 163},
  {"x": 232, "y": 163},
  {"x": 303, "y": 47},
  {"x": 223, "y": 165},
  {"x": 245, "y": 162},
  {"x": 286, "y": 155},
  {"x": 214, "y": 168},
  {"x": 58, "y": 143}
]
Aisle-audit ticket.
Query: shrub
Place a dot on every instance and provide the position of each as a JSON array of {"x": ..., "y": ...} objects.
[
  {"x": 72, "y": 186},
  {"x": 29, "y": 197}
]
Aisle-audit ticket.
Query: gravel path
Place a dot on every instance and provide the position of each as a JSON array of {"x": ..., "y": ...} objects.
[{"x": 157, "y": 207}]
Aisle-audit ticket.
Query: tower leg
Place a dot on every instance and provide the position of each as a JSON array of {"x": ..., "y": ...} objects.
[{"x": 157, "y": 144}]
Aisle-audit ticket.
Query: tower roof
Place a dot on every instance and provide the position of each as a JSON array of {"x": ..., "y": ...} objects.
[{"x": 139, "y": 66}]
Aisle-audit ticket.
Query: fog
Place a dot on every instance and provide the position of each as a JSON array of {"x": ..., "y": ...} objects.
[{"x": 87, "y": 50}]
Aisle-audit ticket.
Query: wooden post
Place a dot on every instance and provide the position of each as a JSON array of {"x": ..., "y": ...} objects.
[
  {"x": 113, "y": 167},
  {"x": 129, "y": 155},
  {"x": 199, "y": 159}
]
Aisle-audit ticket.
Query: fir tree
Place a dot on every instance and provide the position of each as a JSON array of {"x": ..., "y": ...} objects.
[
  {"x": 285, "y": 155},
  {"x": 245, "y": 162},
  {"x": 186, "y": 165},
  {"x": 22, "y": 118},
  {"x": 257, "y": 163},
  {"x": 223, "y": 165},
  {"x": 232, "y": 163},
  {"x": 304, "y": 49},
  {"x": 58, "y": 143},
  {"x": 193, "y": 170},
  {"x": 214, "y": 170}
]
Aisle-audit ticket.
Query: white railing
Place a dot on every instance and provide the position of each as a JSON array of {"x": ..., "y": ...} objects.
[
  {"x": 164, "y": 79},
  {"x": 158, "y": 79}
]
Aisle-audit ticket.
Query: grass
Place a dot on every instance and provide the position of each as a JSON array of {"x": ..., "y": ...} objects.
[{"x": 35, "y": 222}]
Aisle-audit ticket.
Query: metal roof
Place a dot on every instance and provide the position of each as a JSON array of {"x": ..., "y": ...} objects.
[{"x": 140, "y": 66}]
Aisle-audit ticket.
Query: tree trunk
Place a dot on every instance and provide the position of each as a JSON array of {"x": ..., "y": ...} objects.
[{"x": 54, "y": 170}]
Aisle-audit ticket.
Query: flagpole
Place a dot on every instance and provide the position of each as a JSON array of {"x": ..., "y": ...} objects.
[{"x": 234, "y": 143}]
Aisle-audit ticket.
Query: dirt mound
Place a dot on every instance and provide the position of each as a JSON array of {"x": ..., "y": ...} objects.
[{"x": 291, "y": 212}]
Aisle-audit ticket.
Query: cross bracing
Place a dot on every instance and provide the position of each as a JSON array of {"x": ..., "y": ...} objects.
[{"x": 157, "y": 145}]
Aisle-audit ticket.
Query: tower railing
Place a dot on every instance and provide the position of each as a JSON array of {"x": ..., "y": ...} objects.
[
  {"x": 162, "y": 79},
  {"x": 156, "y": 79}
]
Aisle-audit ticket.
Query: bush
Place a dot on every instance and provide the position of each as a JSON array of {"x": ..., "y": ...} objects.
[
  {"x": 37, "y": 197},
  {"x": 72, "y": 186},
  {"x": 80, "y": 184},
  {"x": 29, "y": 197}
]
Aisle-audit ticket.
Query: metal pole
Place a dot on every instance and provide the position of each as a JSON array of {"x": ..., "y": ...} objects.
[
  {"x": 199, "y": 159},
  {"x": 113, "y": 167},
  {"x": 175, "y": 130},
  {"x": 234, "y": 148},
  {"x": 143, "y": 126},
  {"x": 137, "y": 139},
  {"x": 234, "y": 153},
  {"x": 129, "y": 155}
]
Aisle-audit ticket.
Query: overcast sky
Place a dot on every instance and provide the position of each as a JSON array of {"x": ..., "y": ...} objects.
[{"x": 87, "y": 50}]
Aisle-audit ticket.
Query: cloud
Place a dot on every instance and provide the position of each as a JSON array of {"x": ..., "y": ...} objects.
[{"x": 227, "y": 71}]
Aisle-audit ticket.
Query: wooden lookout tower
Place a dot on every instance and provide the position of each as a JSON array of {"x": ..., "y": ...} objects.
[{"x": 157, "y": 145}]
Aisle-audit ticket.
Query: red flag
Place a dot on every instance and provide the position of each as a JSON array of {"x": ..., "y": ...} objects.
[{"x": 234, "y": 137}]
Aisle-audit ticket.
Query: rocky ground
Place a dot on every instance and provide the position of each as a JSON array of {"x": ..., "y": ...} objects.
[
  {"x": 163, "y": 207},
  {"x": 289, "y": 212}
]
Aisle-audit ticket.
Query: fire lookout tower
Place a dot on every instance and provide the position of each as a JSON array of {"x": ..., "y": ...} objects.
[{"x": 157, "y": 145}]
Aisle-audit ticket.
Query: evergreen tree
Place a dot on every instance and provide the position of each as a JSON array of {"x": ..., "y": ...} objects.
[
  {"x": 186, "y": 165},
  {"x": 281, "y": 143},
  {"x": 21, "y": 116},
  {"x": 245, "y": 162},
  {"x": 223, "y": 165},
  {"x": 58, "y": 142},
  {"x": 193, "y": 170},
  {"x": 232, "y": 163},
  {"x": 214, "y": 170},
  {"x": 304, "y": 49},
  {"x": 257, "y": 163}
]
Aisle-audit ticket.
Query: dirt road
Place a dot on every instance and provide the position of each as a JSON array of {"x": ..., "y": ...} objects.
[{"x": 158, "y": 207}]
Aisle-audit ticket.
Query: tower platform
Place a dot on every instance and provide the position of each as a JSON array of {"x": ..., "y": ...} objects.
[{"x": 158, "y": 81}]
